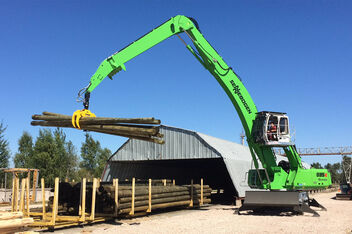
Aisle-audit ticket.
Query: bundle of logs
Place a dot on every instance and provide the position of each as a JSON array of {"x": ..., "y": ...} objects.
[
  {"x": 161, "y": 197},
  {"x": 146, "y": 129},
  {"x": 11, "y": 222}
]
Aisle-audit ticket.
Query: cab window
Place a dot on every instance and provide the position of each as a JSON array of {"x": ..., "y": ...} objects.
[{"x": 283, "y": 126}]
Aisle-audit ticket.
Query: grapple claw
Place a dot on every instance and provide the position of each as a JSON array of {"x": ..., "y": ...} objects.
[{"x": 78, "y": 114}]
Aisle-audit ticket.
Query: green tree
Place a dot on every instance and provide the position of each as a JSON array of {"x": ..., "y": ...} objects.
[
  {"x": 103, "y": 157},
  {"x": 54, "y": 156},
  {"x": 65, "y": 156},
  {"x": 4, "y": 148},
  {"x": 25, "y": 151},
  {"x": 346, "y": 166},
  {"x": 72, "y": 161},
  {"x": 43, "y": 156},
  {"x": 335, "y": 172},
  {"x": 93, "y": 157},
  {"x": 316, "y": 165}
]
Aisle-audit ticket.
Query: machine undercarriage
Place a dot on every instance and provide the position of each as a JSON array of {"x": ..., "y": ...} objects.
[{"x": 280, "y": 201}]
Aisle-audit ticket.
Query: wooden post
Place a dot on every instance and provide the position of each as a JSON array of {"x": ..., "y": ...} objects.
[
  {"x": 43, "y": 198},
  {"x": 82, "y": 207},
  {"x": 173, "y": 182},
  {"x": 27, "y": 195},
  {"x": 116, "y": 186},
  {"x": 23, "y": 186},
  {"x": 5, "y": 186},
  {"x": 164, "y": 182},
  {"x": 94, "y": 193},
  {"x": 191, "y": 203},
  {"x": 150, "y": 196},
  {"x": 55, "y": 202},
  {"x": 201, "y": 191},
  {"x": 17, "y": 190},
  {"x": 35, "y": 181},
  {"x": 13, "y": 193},
  {"x": 133, "y": 193}
]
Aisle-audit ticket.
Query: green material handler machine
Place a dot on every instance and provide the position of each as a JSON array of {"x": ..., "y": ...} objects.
[{"x": 282, "y": 185}]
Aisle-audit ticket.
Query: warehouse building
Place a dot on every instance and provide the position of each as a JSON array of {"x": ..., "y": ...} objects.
[{"x": 185, "y": 155}]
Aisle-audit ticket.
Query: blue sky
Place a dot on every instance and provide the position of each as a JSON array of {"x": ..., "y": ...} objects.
[{"x": 293, "y": 56}]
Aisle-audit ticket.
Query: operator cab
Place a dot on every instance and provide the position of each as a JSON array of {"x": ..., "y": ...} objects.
[{"x": 272, "y": 128}]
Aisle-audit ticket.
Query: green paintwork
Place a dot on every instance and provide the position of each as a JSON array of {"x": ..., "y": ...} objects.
[{"x": 297, "y": 178}]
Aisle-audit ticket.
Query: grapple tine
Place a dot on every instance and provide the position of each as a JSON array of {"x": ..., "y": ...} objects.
[{"x": 78, "y": 114}]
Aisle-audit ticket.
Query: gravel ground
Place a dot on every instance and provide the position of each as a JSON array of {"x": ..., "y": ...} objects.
[{"x": 221, "y": 219}]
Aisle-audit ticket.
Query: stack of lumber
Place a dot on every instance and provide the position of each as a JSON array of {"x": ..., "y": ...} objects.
[
  {"x": 146, "y": 129},
  {"x": 11, "y": 222},
  {"x": 161, "y": 197}
]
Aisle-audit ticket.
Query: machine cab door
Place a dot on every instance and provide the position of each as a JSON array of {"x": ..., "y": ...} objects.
[{"x": 272, "y": 128}]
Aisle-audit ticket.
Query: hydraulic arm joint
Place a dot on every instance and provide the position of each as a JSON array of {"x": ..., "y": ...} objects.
[{"x": 86, "y": 100}]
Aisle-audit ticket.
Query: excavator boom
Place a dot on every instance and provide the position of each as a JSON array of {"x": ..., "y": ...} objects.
[{"x": 261, "y": 140}]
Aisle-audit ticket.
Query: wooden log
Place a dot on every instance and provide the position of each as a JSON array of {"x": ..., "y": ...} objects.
[
  {"x": 106, "y": 120},
  {"x": 140, "y": 189},
  {"x": 160, "y": 195},
  {"x": 143, "y": 190},
  {"x": 163, "y": 205},
  {"x": 147, "y": 130},
  {"x": 196, "y": 200},
  {"x": 99, "y": 120},
  {"x": 126, "y": 129},
  {"x": 10, "y": 215},
  {"x": 127, "y": 132},
  {"x": 106, "y": 194},
  {"x": 13, "y": 223},
  {"x": 143, "y": 138},
  {"x": 140, "y": 182},
  {"x": 160, "y": 200},
  {"x": 136, "y": 135}
]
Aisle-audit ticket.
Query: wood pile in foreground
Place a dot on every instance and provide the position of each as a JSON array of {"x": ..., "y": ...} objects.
[
  {"x": 146, "y": 129},
  {"x": 11, "y": 222},
  {"x": 161, "y": 197}
]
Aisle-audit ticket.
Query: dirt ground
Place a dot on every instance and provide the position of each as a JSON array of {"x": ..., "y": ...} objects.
[{"x": 221, "y": 219}]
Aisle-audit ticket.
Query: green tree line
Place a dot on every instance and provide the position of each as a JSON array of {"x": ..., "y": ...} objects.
[{"x": 55, "y": 156}]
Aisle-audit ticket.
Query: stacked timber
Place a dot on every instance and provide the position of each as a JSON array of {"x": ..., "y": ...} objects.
[
  {"x": 146, "y": 129},
  {"x": 161, "y": 197},
  {"x": 11, "y": 222}
]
